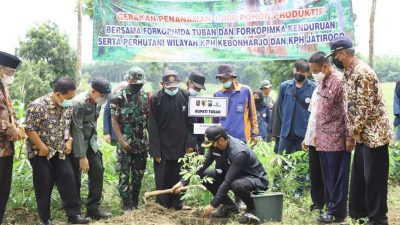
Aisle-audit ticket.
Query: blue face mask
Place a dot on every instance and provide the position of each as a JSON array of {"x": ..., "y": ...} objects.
[
  {"x": 227, "y": 84},
  {"x": 171, "y": 93},
  {"x": 66, "y": 103}
]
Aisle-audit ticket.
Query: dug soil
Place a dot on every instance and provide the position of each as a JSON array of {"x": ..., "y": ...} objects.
[{"x": 155, "y": 214}]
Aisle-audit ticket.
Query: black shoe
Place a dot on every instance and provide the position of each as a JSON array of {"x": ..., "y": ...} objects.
[
  {"x": 225, "y": 211},
  {"x": 78, "y": 219},
  {"x": 99, "y": 215},
  {"x": 378, "y": 222},
  {"x": 45, "y": 222},
  {"x": 326, "y": 218}
]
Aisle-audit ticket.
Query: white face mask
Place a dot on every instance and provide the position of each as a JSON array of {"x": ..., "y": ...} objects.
[
  {"x": 100, "y": 100},
  {"x": 7, "y": 80},
  {"x": 318, "y": 77},
  {"x": 193, "y": 92}
]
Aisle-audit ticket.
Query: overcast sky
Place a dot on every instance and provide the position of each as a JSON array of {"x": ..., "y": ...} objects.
[{"x": 18, "y": 16}]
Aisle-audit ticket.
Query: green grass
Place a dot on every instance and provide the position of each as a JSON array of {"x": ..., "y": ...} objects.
[{"x": 388, "y": 95}]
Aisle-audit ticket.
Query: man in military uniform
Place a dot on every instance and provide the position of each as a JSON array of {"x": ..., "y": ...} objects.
[
  {"x": 9, "y": 131},
  {"x": 129, "y": 110},
  {"x": 87, "y": 157}
]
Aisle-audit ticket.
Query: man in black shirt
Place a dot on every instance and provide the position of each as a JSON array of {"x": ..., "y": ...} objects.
[
  {"x": 170, "y": 135},
  {"x": 237, "y": 168}
]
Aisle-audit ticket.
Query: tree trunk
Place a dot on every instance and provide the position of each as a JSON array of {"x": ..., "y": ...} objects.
[
  {"x": 79, "y": 43},
  {"x": 371, "y": 34}
]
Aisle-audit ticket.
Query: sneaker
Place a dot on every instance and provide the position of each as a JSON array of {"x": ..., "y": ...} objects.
[
  {"x": 249, "y": 218},
  {"x": 240, "y": 204},
  {"x": 225, "y": 211},
  {"x": 326, "y": 218}
]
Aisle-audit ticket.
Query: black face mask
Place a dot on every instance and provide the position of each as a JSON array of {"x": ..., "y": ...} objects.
[
  {"x": 338, "y": 64},
  {"x": 299, "y": 77},
  {"x": 135, "y": 87}
]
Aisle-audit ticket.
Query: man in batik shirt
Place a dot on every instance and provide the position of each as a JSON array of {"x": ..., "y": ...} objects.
[
  {"x": 368, "y": 123},
  {"x": 9, "y": 130},
  {"x": 47, "y": 124}
]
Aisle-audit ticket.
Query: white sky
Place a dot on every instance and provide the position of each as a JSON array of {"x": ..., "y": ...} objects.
[{"x": 18, "y": 16}]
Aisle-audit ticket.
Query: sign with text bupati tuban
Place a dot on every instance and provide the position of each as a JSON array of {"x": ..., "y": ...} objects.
[
  {"x": 208, "y": 106},
  {"x": 217, "y": 30}
]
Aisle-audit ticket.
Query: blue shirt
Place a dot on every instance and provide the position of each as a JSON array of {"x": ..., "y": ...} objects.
[{"x": 293, "y": 104}]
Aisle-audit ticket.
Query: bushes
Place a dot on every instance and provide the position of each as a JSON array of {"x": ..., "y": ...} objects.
[
  {"x": 282, "y": 170},
  {"x": 394, "y": 162}
]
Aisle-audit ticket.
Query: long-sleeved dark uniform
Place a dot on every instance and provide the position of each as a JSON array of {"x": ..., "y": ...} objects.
[
  {"x": 237, "y": 169},
  {"x": 169, "y": 134},
  {"x": 84, "y": 123},
  {"x": 107, "y": 126}
]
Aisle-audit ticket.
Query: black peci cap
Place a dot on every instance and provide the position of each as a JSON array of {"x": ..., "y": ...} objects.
[
  {"x": 103, "y": 86},
  {"x": 9, "y": 60},
  {"x": 197, "y": 79}
]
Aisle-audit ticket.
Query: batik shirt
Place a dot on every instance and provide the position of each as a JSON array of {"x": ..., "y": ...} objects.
[
  {"x": 6, "y": 112},
  {"x": 331, "y": 132},
  {"x": 366, "y": 112},
  {"x": 51, "y": 123}
]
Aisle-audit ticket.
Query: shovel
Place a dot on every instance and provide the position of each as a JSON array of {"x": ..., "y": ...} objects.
[{"x": 168, "y": 191}]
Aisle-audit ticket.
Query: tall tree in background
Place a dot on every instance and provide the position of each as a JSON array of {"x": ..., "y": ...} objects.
[
  {"x": 371, "y": 33},
  {"x": 45, "y": 42},
  {"x": 79, "y": 42}
]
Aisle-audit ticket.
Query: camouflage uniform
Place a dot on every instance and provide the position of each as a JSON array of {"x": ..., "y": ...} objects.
[{"x": 131, "y": 110}]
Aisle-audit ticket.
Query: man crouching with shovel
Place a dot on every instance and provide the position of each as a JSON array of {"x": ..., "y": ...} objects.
[{"x": 237, "y": 168}]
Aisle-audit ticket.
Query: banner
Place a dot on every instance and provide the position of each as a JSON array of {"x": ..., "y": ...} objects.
[
  {"x": 208, "y": 106},
  {"x": 217, "y": 30}
]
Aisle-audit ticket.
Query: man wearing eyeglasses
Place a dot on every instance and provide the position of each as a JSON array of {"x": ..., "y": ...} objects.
[
  {"x": 9, "y": 130},
  {"x": 87, "y": 156}
]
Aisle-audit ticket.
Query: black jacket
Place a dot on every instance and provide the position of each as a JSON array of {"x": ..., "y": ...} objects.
[
  {"x": 238, "y": 161},
  {"x": 170, "y": 129}
]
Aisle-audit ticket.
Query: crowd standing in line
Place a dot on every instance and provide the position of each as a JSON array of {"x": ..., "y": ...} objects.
[{"x": 329, "y": 118}]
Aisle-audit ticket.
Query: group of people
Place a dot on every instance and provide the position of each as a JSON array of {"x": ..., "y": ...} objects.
[{"x": 328, "y": 118}]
